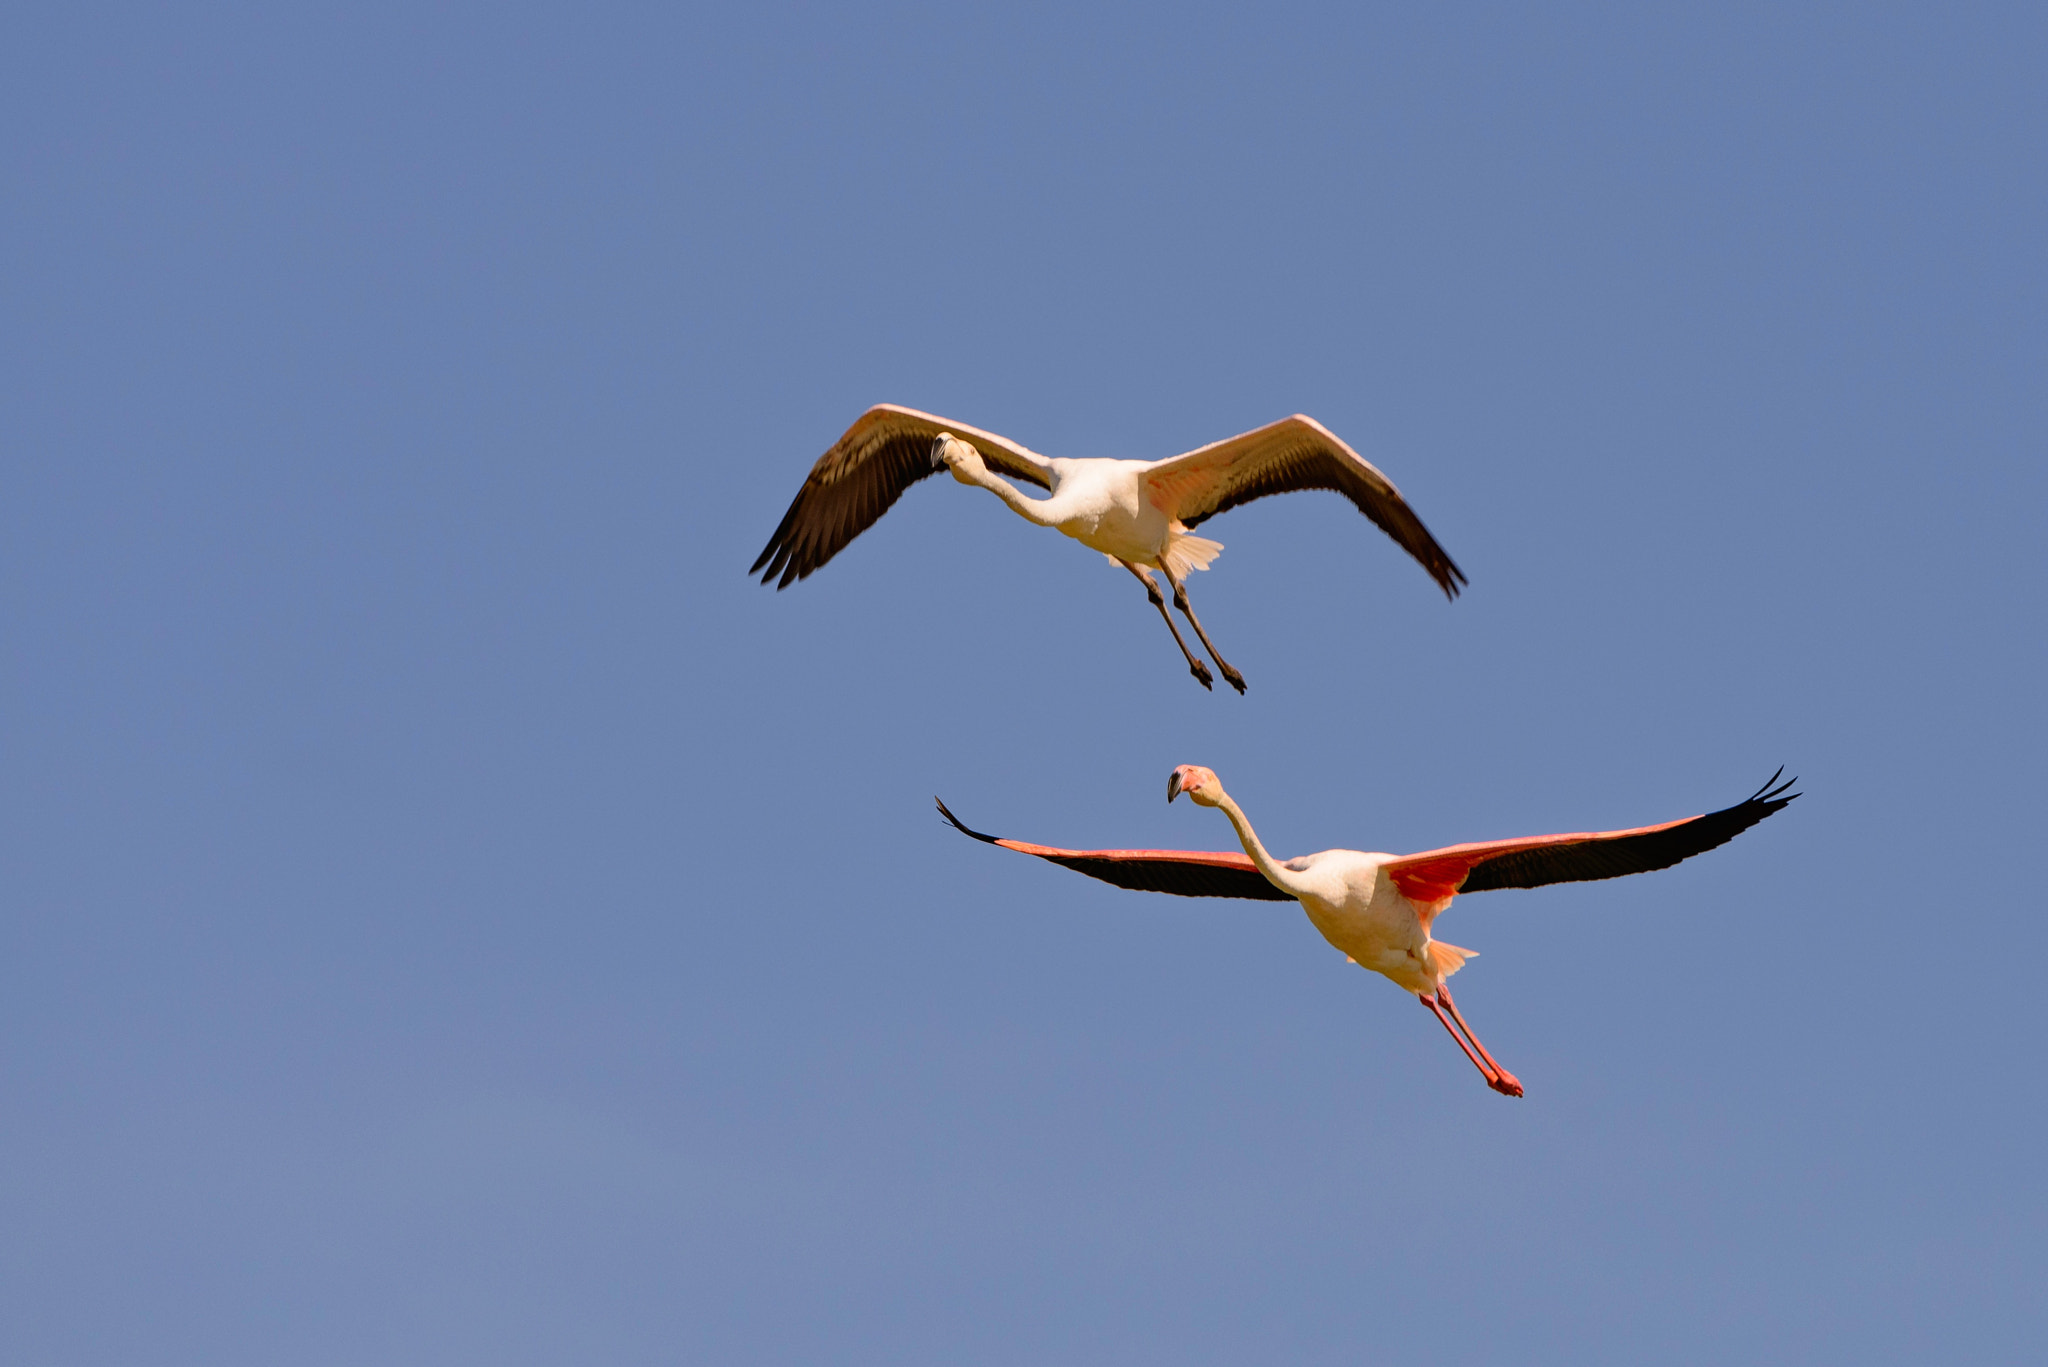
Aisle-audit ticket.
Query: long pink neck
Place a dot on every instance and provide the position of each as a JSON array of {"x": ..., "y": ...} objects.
[{"x": 1285, "y": 879}]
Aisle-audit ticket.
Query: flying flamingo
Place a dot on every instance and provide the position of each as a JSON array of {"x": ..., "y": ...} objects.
[
  {"x": 1378, "y": 908},
  {"x": 1138, "y": 513}
]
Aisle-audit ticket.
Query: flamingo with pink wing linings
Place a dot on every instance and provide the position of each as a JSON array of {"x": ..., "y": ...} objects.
[{"x": 1378, "y": 909}]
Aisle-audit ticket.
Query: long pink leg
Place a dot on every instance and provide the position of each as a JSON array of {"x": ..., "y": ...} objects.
[
  {"x": 1501, "y": 1081},
  {"x": 1509, "y": 1084}
]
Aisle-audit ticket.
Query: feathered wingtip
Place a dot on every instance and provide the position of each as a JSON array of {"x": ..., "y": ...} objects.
[
  {"x": 1768, "y": 795},
  {"x": 961, "y": 826},
  {"x": 776, "y": 557}
]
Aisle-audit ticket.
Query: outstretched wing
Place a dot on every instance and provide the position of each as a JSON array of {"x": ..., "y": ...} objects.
[
  {"x": 885, "y": 452},
  {"x": 1432, "y": 878},
  {"x": 1294, "y": 453},
  {"x": 1186, "y": 873}
]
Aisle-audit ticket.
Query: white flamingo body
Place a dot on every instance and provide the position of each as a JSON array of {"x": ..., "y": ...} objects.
[
  {"x": 1106, "y": 505},
  {"x": 1353, "y": 903},
  {"x": 1367, "y": 919},
  {"x": 1138, "y": 513}
]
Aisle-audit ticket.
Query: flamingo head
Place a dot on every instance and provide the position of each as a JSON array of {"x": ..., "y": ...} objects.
[
  {"x": 1198, "y": 783},
  {"x": 951, "y": 453}
]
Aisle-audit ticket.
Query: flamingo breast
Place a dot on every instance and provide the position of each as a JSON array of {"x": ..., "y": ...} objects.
[
  {"x": 1366, "y": 918},
  {"x": 1103, "y": 508}
]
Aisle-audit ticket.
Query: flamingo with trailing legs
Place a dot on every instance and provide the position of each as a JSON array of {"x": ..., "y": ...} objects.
[
  {"x": 1379, "y": 909},
  {"x": 1138, "y": 513}
]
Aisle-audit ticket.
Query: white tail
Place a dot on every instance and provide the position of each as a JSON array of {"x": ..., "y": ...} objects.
[
  {"x": 1184, "y": 553},
  {"x": 1448, "y": 959}
]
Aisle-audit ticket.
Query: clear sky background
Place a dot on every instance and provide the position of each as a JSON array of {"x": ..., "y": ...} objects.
[{"x": 451, "y": 915}]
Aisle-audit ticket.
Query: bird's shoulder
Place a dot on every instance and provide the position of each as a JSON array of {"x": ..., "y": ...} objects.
[{"x": 1343, "y": 865}]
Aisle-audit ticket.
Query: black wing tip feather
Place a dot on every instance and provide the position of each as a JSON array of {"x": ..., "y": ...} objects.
[
  {"x": 1773, "y": 797},
  {"x": 1643, "y": 852},
  {"x": 1730, "y": 822},
  {"x": 962, "y": 826},
  {"x": 828, "y": 514},
  {"x": 779, "y": 561},
  {"x": 1769, "y": 793},
  {"x": 774, "y": 549},
  {"x": 776, "y": 555},
  {"x": 1768, "y": 800},
  {"x": 775, "y": 568}
]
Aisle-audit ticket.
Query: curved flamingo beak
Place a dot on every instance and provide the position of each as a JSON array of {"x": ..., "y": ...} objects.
[{"x": 1173, "y": 788}]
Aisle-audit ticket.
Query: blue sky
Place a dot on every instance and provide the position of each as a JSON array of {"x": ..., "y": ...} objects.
[{"x": 451, "y": 915}]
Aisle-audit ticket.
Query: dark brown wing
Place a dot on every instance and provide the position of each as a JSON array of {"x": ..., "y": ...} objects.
[
  {"x": 1281, "y": 457},
  {"x": 866, "y": 471},
  {"x": 1583, "y": 856},
  {"x": 1185, "y": 873}
]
